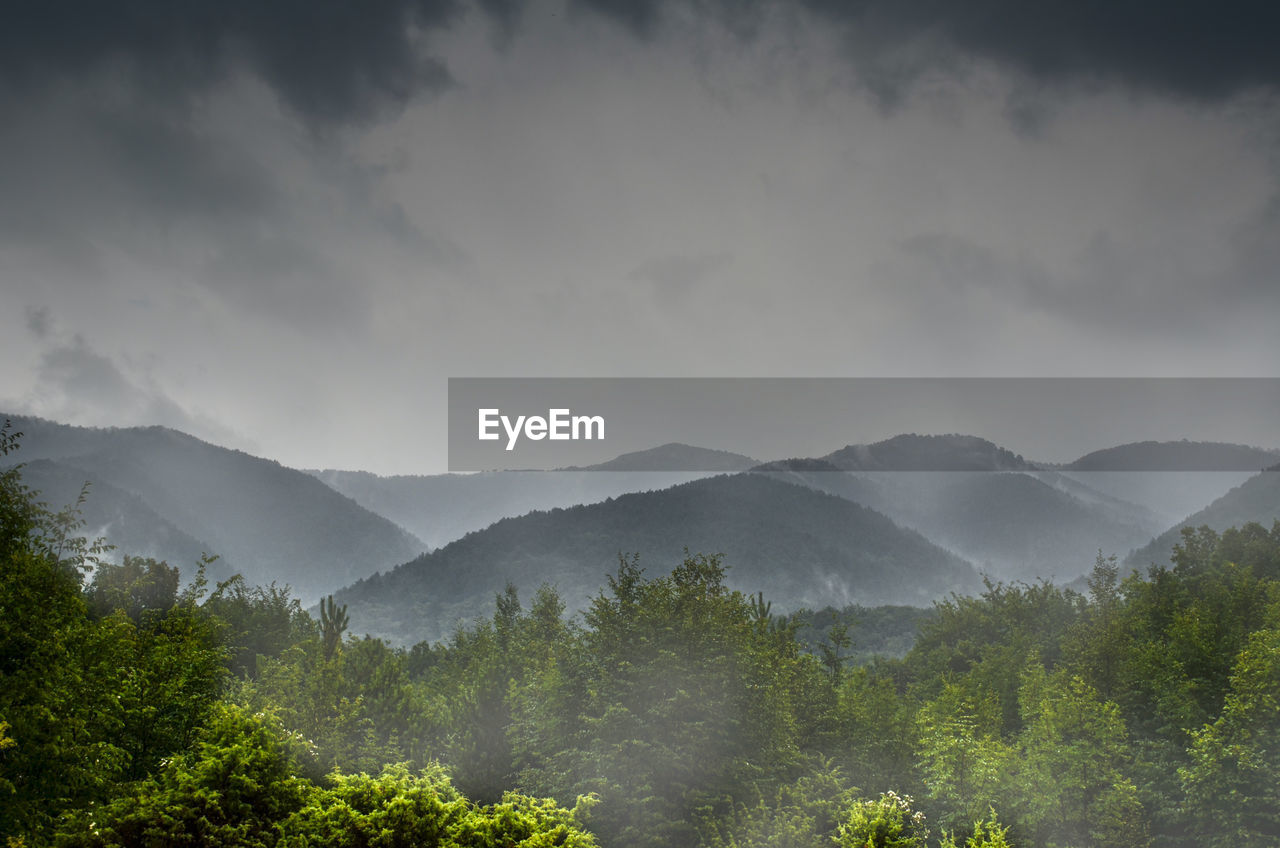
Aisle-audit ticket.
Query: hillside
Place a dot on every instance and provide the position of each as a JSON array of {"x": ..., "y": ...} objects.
[
  {"x": 119, "y": 516},
  {"x": 801, "y": 547},
  {"x": 1013, "y": 525},
  {"x": 270, "y": 522},
  {"x": 982, "y": 501},
  {"x": 1256, "y": 499},
  {"x": 1173, "y": 479}
]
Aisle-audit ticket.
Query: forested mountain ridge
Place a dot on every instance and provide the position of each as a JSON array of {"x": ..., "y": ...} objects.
[
  {"x": 1176, "y": 456},
  {"x": 271, "y": 523},
  {"x": 913, "y": 452},
  {"x": 801, "y": 547}
]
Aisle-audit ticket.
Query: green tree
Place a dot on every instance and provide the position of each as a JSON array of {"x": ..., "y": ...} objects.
[
  {"x": 261, "y": 622},
  {"x": 887, "y": 822},
  {"x": 397, "y": 809},
  {"x": 1096, "y": 645},
  {"x": 991, "y": 638},
  {"x": 963, "y": 760},
  {"x": 1233, "y": 781},
  {"x": 333, "y": 623},
  {"x": 137, "y": 587},
  {"x": 332, "y": 702},
  {"x": 833, "y": 650},
  {"x": 870, "y": 731},
  {"x": 987, "y": 833},
  {"x": 1073, "y": 752},
  {"x": 673, "y": 700},
  {"x": 235, "y": 787},
  {"x": 57, "y": 709},
  {"x": 801, "y": 813}
]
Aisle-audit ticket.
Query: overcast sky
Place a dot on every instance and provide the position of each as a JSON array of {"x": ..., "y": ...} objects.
[{"x": 281, "y": 227}]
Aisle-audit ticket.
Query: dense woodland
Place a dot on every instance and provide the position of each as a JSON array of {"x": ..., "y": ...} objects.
[{"x": 673, "y": 712}]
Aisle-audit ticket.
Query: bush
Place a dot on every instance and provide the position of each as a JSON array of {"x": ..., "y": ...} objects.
[{"x": 887, "y": 822}]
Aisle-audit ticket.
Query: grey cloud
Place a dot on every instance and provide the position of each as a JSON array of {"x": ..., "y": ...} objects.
[
  {"x": 1200, "y": 49},
  {"x": 77, "y": 383},
  {"x": 330, "y": 62},
  {"x": 350, "y": 62},
  {"x": 674, "y": 276},
  {"x": 38, "y": 321},
  {"x": 259, "y": 217},
  {"x": 506, "y": 14},
  {"x": 639, "y": 16},
  {"x": 75, "y": 374},
  {"x": 1112, "y": 285},
  {"x": 77, "y": 164}
]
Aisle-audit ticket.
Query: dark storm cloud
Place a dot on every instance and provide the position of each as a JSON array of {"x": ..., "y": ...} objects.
[
  {"x": 85, "y": 181},
  {"x": 225, "y": 196},
  {"x": 111, "y": 158},
  {"x": 1200, "y": 49},
  {"x": 329, "y": 61},
  {"x": 639, "y": 16}
]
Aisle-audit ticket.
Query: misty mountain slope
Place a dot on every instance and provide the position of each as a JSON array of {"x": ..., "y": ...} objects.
[
  {"x": 982, "y": 501},
  {"x": 801, "y": 547},
  {"x": 1172, "y": 479},
  {"x": 272, "y": 523},
  {"x": 1012, "y": 525},
  {"x": 1170, "y": 495},
  {"x": 1256, "y": 499},
  {"x": 443, "y": 507},
  {"x": 120, "y": 517},
  {"x": 1125, "y": 511}
]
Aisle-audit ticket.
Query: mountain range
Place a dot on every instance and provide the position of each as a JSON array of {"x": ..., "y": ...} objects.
[{"x": 844, "y": 527}]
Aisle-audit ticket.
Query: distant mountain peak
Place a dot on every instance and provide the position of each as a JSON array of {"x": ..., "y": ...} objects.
[
  {"x": 915, "y": 452},
  {"x": 1181, "y": 455}
]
